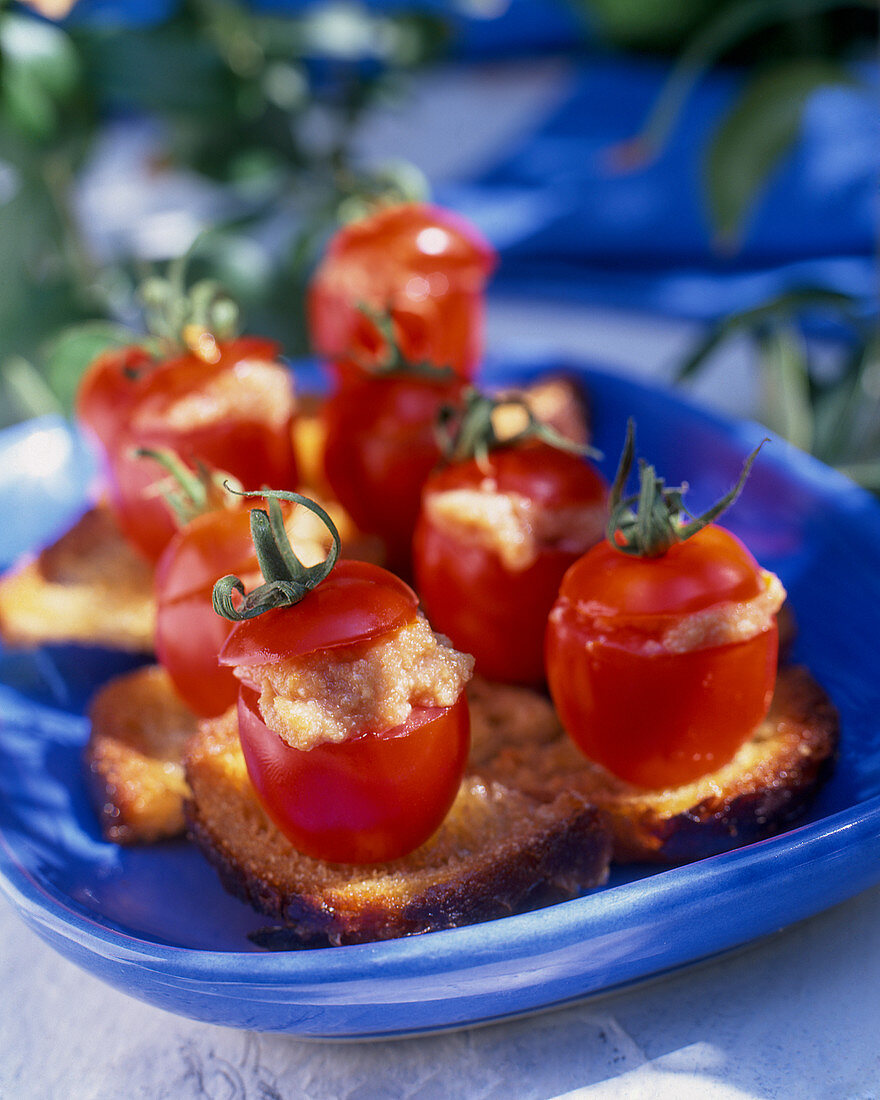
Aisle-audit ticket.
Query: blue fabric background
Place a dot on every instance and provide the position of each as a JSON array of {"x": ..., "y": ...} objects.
[{"x": 568, "y": 224}]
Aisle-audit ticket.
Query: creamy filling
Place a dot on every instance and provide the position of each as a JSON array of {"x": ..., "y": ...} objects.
[
  {"x": 728, "y": 622},
  {"x": 255, "y": 389},
  {"x": 512, "y": 526},
  {"x": 336, "y": 694}
]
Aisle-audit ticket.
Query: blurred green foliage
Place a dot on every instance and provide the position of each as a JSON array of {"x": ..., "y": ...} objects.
[
  {"x": 828, "y": 404},
  {"x": 265, "y": 105},
  {"x": 823, "y": 398}
]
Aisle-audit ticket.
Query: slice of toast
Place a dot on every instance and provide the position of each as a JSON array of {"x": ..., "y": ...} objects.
[
  {"x": 88, "y": 587},
  {"x": 499, "y": 851},
  {"x": 760, "y": 792},
  {"x": 134, "y": 757},
  {"x": 140, "y": 730}
]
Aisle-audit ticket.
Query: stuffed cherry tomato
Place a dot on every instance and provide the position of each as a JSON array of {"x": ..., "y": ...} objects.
[
  {"x": 352, "y": 717},
  {"x": 494, "y": 537},
  {"x": 662, "y": 647},
  {"x": 232, "y": 411},
  {"x": 189, "y": 634},
  {"x": 380, "y": 447},
  {"x": 109, "y": 388},
  {"x": 421, "y": 265}
]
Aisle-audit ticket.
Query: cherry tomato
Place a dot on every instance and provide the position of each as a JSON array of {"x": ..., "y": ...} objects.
[
  {"x": 189, "y": 633},
  {"x": 357, "y": 602},
  {"x": 486, "y": 607},
  {"x": 366, "y": 800},
  {"x": 250, "y": 442},
  {"x": 652, "y": 715},
  {"x": 109, "y": 388},
  {"x": 372, "y": 797},
  {"x": 421, "y": 265},
  {"x": 380, "y": 447}
]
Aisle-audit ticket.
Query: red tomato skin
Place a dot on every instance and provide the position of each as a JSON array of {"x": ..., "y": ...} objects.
[
  {"x": 108, "y": 389},
  {"x": 486, "y": 609},
  {"x": 245, "y": 447},
  {"x": 369, "y": 799},
  {"x": 423, "y": 265},
  {"x": 654, "y": 718},
  {"x": 356, "y": 603},
  {"x": 710, "y": 567},
  {"x": 380, "y": 448},
  {"x": 189, "y": 633},
  {"x": 545, "y": 474}
]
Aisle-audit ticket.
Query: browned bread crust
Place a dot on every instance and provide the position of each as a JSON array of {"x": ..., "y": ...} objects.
[
  {"x": 521, "y": 833},
  {"x": 499, "y": 850},
  {"x": 768, "y": 784},
  {"x": 134, "y": 757},
  {"x": 88, "y": 587}
]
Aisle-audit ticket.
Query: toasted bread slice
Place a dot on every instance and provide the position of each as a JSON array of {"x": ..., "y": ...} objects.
[
  {"x": 134, "y": 757},
  {"x": 89, "y": 587},
  {"x": 555, "y": 399},
  {"x": 499, "y": 850},
  {"x": 760, "y": 792}
]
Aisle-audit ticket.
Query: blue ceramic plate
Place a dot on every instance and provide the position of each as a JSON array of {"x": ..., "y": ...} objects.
[{"x": 155, "y": 922}]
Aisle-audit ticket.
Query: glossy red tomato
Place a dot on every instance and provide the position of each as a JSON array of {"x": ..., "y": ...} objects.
[
  {"x": 366, "y": 800},
  {"x": 109, "y": 388},
  {"x": 251, "y": 440},
  {"x": 652, "y": 716},
  {"x": 375, "y": 796},
  {"x": 419, "y": 264},
  {"x": 189, "y": 633},
  {"x": 380, "y": 447},
  {"x": 487, "y": 608}
]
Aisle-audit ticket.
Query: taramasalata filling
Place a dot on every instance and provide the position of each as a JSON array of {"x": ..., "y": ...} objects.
[
  {"x": 513, "y": 526},
  {"x": 336, "y": 694},
  {"x": 729, "y": 622},
  {"x": 724, "y": 623}
]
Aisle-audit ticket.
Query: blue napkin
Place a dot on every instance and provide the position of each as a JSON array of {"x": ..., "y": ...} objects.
[{"x": 569, "y": 222}]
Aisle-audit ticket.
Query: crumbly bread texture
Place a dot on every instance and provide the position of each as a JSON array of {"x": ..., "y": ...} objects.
[
  {"x": 134, "y": 757},
  {"x": 88, "y": 587},
  {"x": 499, "y": 851},
  {"x": 760, "y": 792}
]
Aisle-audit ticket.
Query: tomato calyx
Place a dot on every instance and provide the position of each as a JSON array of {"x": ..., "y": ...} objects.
[
  {"x": 190, "y": 493},
  {"x": 471, "y": 431},
  {"x": 287, "y": 580},
  {"x": 652, "y": 521},
  {"x": 197, "y": 318},
  {"x": 394, "y": 363}
]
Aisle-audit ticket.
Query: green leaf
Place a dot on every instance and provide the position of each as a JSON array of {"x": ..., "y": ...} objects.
[
  {"x": 645, "y": 24},
  {"x": 42, "y": 49},
  {"x": 69, "y": 353},
  {"x": 842, "y": 308},
  {"x": 730, "y": 25},
  {"x": 867, "y": 474},
  {"x": 786, "y": 409},
  {"x": 757, "y": 132},
  {"x": 23, "y": 392}
]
